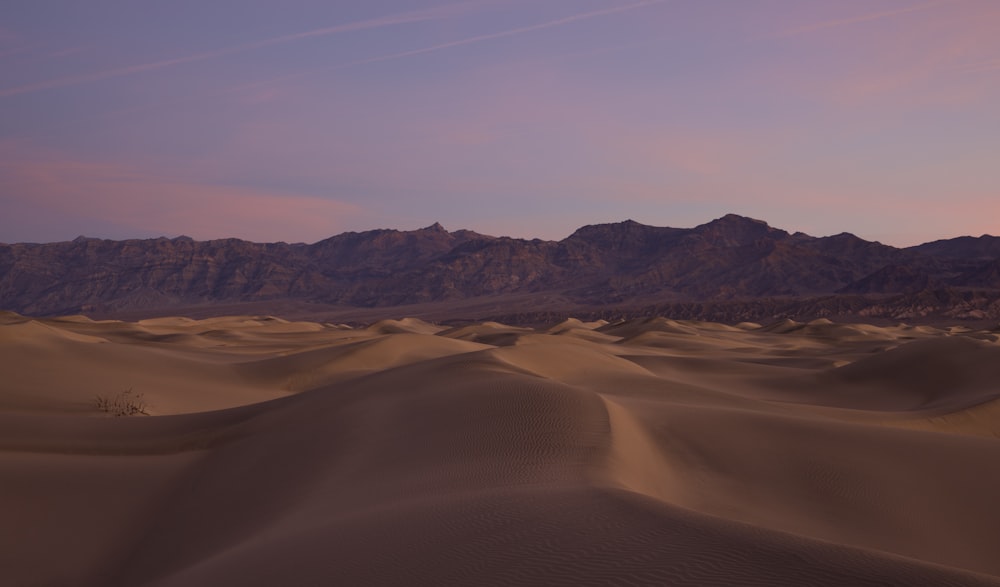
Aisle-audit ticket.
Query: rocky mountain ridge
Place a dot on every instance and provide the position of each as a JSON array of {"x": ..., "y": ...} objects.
[{"x": 730, "y": 260}]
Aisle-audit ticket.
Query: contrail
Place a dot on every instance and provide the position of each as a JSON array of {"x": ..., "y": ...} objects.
[
  {"x": 466, "y": 41},
  {"x": 508, "y": 33},
  {"x": 386, "y": 21}
]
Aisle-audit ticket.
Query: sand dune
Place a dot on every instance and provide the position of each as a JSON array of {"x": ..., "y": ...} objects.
[{"x": 649, "y": 452}]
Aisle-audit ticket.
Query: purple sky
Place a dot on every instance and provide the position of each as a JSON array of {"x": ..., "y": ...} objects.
[{"x": 299, "y": 119}]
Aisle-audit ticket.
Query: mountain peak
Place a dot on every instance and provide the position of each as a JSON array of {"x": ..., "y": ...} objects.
[
  {"x": 622, "y": 264},
  {"x": 608, "y": 228},
  {"x": 736, "y": 219},
  {"x": 735, "y": 230},
  {"x": 983, "y": 247}
]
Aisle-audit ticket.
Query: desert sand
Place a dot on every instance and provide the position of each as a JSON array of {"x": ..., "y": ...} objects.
[{"x": 649, "y": 452}]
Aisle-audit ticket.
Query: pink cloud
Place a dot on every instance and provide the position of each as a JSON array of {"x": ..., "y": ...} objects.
[
  {"x": 981, "y": 67},
  {"x": 868, "y": 17},
  {"x": 899, "y": 212},
  {"x": 700, "y": 153},
  {"x": 925, "y": 57},
  {"x": 80, "y": 193}
]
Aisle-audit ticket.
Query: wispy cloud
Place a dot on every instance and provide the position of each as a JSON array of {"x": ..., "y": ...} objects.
[
  {"x": 14, "y": 51},
  {"x": 69, "y": 51},
  {"x": 436, "y": 13},
  {"x": 917, "y": 58},
  {"x": 11, "y": 43},
  {"x": 54, "y": 190},
  {"x": 461, "y": 42},
  {"x": 509, "y": 33},
  {"x": 982, "y": 67},
  {"x": 863, "y": 18}
]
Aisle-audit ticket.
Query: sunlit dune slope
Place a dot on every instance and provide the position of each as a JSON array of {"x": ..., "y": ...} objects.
[{"x": 649, "y": 452}]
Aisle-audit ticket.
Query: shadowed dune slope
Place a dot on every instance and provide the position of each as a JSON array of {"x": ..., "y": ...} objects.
[{"x": 652, "y": 452}]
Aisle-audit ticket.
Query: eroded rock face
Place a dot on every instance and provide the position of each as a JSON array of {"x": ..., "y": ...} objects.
[{"x": 731, "y": 258}]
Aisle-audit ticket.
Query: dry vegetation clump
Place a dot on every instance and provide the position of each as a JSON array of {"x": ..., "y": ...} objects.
[{"x": 123, "y": 403}]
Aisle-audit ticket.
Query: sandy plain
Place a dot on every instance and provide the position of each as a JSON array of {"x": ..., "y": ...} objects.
[{"x": 648, "y": 452}]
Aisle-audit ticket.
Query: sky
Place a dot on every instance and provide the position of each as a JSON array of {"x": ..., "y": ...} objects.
[{"x": 295, "y": 120}]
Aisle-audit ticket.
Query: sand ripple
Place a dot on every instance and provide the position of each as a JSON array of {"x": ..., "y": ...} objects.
[{"x": 649, "y": 452}]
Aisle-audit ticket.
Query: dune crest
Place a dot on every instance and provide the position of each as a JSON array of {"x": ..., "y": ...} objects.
[{"x": 642, "y": 452}]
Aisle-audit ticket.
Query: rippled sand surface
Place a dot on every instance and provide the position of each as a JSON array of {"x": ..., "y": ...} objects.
[{"x": 649, "y": 452}]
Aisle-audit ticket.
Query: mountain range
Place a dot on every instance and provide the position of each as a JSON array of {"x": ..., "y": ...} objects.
[{"x": 730, "y": 268}]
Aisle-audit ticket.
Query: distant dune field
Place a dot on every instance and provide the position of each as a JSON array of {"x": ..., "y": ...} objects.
[{"x": 647, "y": 452}]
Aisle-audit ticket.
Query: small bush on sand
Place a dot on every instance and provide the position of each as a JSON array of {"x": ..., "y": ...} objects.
[{"x": 123, "y": 403}]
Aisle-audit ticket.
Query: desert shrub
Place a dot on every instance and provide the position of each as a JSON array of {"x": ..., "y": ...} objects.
[{"x": 123, "y": 403}]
